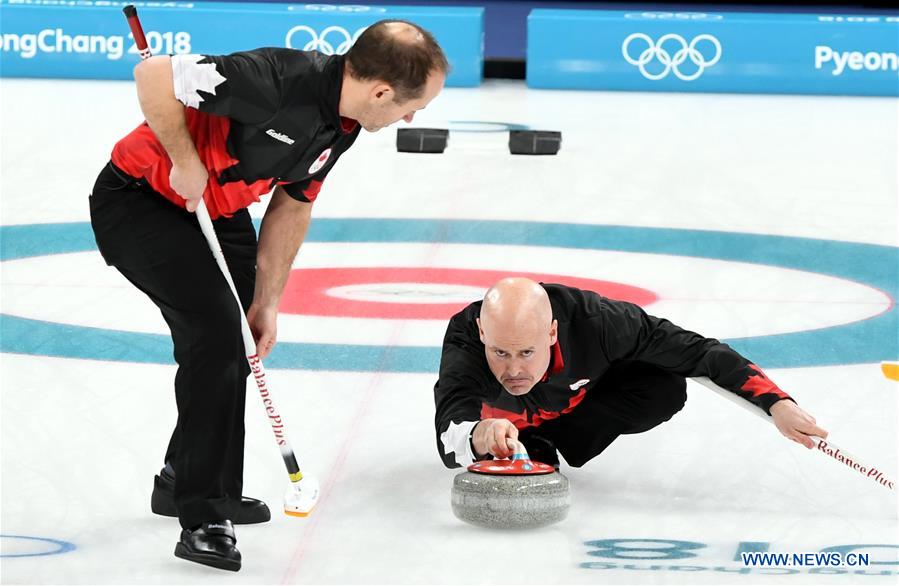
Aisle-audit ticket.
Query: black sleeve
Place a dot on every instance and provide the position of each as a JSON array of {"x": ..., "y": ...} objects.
[
  {"x": 244, "y": 86},
  {"x": 462, "y": 387},
  {"x": 629, "y": 333}
]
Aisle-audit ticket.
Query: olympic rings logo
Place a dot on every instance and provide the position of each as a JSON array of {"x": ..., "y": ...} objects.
[
  {"x": 334, "y": 40},
  {"x": 671, "y": 63}
]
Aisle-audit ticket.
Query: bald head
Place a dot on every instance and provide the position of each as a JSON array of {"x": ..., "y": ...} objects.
[
  {"x": 517, "y": 328},
  {"x": 516, "y": 303}
]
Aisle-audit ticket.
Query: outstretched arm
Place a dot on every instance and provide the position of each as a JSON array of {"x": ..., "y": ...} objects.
[
  {"x": 460, "y": 392},
  {"x": 630, "y": 333}
]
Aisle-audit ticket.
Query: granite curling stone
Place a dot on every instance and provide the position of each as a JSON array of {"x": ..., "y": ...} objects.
[{"x": 511, "y": 494}]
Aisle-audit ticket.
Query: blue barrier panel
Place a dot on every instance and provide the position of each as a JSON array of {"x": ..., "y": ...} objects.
[
  {"x": 725, "y": 52},
  {"x": 89, "y": 39}
]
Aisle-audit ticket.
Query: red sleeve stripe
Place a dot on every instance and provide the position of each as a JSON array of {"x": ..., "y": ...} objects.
[
  {"x": 759, "y": 384},
  {"x": 311, "y": 192},
  {"x": 520, "y": 420}
]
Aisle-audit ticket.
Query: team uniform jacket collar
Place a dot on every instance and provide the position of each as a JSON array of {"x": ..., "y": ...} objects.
[{"x": 329, "y": 92}]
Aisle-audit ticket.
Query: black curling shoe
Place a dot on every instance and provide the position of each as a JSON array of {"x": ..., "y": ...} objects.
[
  {"x": 162, "y": 502},
  {"x": 212, "y": 544}
]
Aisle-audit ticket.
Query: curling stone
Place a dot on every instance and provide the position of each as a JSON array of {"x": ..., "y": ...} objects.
[{"x": 511, "y": 494}]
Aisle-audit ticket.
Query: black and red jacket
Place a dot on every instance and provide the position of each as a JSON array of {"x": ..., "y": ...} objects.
[
  {"x": 258, "y": 119},
  {"x": 593, "y": 333}
]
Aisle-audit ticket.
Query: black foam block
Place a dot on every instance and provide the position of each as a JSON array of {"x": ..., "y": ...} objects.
[
  {"x": 534, "y": 142},
  {"x": 421, "y": 140}
]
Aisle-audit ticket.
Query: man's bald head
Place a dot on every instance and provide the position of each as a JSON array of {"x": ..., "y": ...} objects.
[
  {"x": 516, "y": 302},
  {"x": 517, "y": 329}
]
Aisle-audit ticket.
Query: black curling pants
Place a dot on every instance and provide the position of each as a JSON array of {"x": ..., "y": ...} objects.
[
  {"x": 159, "y": 248},
  {"x": 631, "y": 397}
]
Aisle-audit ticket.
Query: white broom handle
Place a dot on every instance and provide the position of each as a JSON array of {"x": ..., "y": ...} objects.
[
  {"x": 826, "y": 447},
  {"x": 249, "y": 344}
]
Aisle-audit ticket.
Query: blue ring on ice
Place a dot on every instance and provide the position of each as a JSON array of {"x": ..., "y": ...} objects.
[
  {"x": 869, "y": 340},
  {"x": 61, "y": 546}
]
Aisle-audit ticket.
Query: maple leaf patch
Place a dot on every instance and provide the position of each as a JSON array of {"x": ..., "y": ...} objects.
[{"x": 191, "y": 77}]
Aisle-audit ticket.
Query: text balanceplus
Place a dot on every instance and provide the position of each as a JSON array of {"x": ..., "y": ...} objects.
[{"x": 874, "y": 473}]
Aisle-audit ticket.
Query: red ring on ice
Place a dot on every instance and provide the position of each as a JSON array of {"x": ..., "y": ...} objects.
[{"x": 306, "y": 290}]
